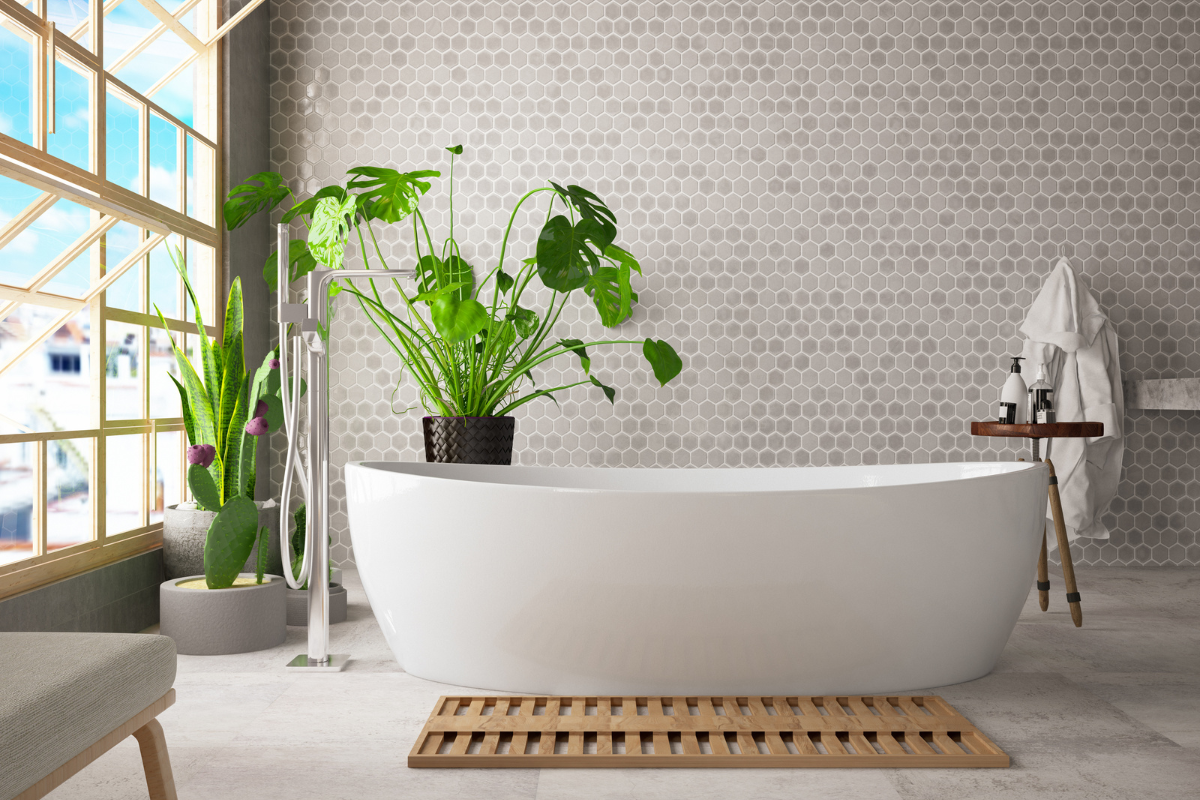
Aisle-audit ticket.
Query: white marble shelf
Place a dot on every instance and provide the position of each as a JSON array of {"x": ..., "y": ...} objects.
[{"x": 1174, "y": 394}]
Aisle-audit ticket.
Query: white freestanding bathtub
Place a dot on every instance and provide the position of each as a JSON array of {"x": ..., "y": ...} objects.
[{"x": 820, "y": 581}]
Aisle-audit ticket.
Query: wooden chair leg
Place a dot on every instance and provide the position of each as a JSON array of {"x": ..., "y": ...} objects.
[
  {"x": 156, "y": 761},
  {"x": 1043, "y": 576},
  {"x": 1064, "y": 549}
]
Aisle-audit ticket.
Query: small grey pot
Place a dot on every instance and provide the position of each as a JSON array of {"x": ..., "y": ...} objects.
[
  {"x": 297, "y": 605},
  {"x": 213, "y": 622},
  {"x": 184, "y": 531}
]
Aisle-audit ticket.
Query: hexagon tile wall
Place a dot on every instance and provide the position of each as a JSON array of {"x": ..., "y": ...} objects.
[{"x": 845, "y": 209}]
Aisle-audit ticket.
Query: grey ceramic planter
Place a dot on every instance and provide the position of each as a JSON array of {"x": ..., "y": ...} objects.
[
  {"x": 184, "y": 531},
  {"x": 213, "y": 622},
  {"x": 297, "y": 605}
]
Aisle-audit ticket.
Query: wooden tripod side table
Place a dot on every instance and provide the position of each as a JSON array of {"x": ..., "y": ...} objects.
[{"x": 1035, "y": 433}]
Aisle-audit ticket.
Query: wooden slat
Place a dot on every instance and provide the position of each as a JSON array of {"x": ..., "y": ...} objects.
[{"x": 833, "y": 731}]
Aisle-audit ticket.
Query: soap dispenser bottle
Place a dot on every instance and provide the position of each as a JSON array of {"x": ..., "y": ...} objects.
[
  {"x": 1041, "y": 399},
  {"x": 1014, "y": 398}
]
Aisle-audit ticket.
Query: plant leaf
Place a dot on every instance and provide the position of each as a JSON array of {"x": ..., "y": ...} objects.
[
  {"x": 204, "y": 426},
  {"x": 504, "y": 282},
  {"x": 610, "y": 292},
  {"x": 457, "y": 271},
  {"x": 387, "y": 194},
  {"x": 590, "y": 207},
  {"x": 189, "y": 425},
  {"x": 577, "y": 347},
  {"x": 259, "y": 192},
  {"x": 307, "y": 208},
  {"x": 456, "y": 149},
  {"x": 231, "y": 455},
  {"x": 622, "y": 257},
  {"x": 609, "y": 392},
  {"x": 234, "y": 317},
  {"x": 567, "y": 255},
  {"x": 229, "y": 542},
  {"x": 524, "y": 321},
  {"x": 330, "y": 227},
  {"x": 663, "y": 359},
  {"x": 300, "y": 263},
  {"x": 429, "y": 297},
  {"x": 204, "y": 490},
  {"x": 233, "y": 384},
  {"x": 458, "y": 320},
  {"x": 210, "y": 355}
]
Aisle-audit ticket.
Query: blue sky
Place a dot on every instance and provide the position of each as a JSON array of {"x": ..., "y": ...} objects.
[{"x": 43, "y": 240}]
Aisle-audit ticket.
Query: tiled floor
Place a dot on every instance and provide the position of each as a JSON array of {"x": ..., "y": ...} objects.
[{"x": 1109, "y": 711}]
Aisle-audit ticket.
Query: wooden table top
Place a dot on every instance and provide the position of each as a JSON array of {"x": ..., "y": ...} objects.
[{"x": 1055, "y": 430}]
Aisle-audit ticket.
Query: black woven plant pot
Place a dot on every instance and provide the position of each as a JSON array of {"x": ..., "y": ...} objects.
[{"x": 469, "y": 440}]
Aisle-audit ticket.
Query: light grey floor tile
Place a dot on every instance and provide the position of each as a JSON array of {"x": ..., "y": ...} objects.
[
  {"x": 714, "y": 784},
  {"x": 1167, "y": 702}
]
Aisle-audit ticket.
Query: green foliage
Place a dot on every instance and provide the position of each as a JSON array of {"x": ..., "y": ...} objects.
[
  {"x": 300, "y": 263},
  {"x": 230, "y": 539},
  {"x": 261, "y": 192},
  {"x": 204, "y": 488},
  {"x": 663, "y": 360},
  {"x": 386, "y": 194},
  {"x": 464, "y": 336},
  {"x": 215, "y": 412}
]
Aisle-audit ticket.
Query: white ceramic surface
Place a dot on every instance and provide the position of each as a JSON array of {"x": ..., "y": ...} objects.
[{"x": 831, "y": 580}]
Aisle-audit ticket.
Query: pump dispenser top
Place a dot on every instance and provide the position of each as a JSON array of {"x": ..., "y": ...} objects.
[{"x": 1014, "y": 398}]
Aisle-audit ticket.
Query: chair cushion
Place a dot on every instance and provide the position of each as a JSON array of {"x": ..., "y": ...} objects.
[{"x": 61, "y": 692}]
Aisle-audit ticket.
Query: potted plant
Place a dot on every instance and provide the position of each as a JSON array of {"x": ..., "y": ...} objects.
[
  {"x": 225, "y": 609},
  {"x": 471, "y": 343}
]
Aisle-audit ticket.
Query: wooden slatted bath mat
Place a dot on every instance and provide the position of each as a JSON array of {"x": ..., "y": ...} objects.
[{"x": 574, "y": 732}]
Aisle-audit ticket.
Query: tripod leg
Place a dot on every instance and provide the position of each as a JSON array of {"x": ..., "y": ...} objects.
[
  {"x": 1043, "y": 576},
  {"x": 1064, "y": 549}
]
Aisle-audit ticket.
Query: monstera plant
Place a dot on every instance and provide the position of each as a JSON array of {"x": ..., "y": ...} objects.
[
  {"x": 224, "y": 413},
  {"x": 470, "y": 335}
]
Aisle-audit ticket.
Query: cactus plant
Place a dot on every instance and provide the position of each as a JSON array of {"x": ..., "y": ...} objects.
[{"x": 223, "y": 436}]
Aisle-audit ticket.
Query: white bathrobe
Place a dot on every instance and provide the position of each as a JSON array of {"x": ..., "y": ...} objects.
[{"x": 1069, "y": 333}]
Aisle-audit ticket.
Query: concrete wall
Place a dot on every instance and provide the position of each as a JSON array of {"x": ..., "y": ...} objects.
[{"x": 117, "y": 598}]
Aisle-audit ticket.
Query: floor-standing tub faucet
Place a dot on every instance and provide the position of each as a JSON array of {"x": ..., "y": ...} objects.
[{"x": 312, "y": 325}]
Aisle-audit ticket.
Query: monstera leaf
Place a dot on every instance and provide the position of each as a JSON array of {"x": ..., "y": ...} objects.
[
  {"x": 663, "y": 359},
  {"x": 307, "y": 208},
  {"x": 589, "y": 207},
  {"x": 260, "y": 192},
  {"x": 387, "y": 194},
  {"x": 610, "y": 292},
  {"x": 458, "y": 320},
  {"x": 330, "y": 227},
  {"x": 568, "y": 254},
  {"x": 300, "y": 263}
]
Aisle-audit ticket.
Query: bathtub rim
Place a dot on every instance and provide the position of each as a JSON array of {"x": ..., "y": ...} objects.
[{"x": 1012, "y": 468}]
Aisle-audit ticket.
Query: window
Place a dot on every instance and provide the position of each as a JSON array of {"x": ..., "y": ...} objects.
[{"x": 109, "y": 151}]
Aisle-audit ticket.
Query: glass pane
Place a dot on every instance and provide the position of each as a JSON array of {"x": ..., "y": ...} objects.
[
  {"x": 123, "y": 385},
  {"x": 164, "y": 279},
  {"x": 124, "y": 27},
  {"x": 168, "y": 483},
  {"x": 16, "y": 89},
  {"x": 73, "y": 115},
  {"x": 164, "y": 162},
  {"x": 126, "y": 291},
  {"x": 123, "y": 164},
  {"x": 123, "y": 484},
  {"x": 40, "y": 243},
  {"x": 199, "y": 178},
  {"x": 16, "y": 501},
  {"x": 50, "y": 388},
  {"x": 69, "y": 15},
  {"x": 164, "y": 397},
  {"x": 200, "y": 263},
  {"x": 177, "y": 97},
  {"x": 68, "y": 496}
]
